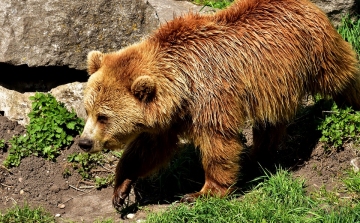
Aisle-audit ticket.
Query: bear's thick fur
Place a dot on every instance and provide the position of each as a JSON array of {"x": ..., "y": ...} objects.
[{"x": 201, "y": 77}]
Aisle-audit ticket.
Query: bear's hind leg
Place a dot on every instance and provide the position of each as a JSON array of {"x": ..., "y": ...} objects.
[
  {"x": 220, "y": 159},
  {"x": 266, "y": 139},
  {"x": 350, "y": 96}
]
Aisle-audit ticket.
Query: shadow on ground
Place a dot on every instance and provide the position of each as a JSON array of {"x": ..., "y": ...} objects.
[{"x": 185, "y": 174}]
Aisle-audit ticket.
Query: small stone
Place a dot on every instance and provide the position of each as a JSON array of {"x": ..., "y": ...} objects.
[
  {"x": 61, "y": 206},
  {"x": 22, "y": 192},
  {"x": 64, "y": 186},
  {"x": 57, "y": 215},
  {"x": 20, "y": 179},
  {"x": 356, "y": 164},
  {"x": 54, "y": 188},
  {"x": 130, "y": 216}
]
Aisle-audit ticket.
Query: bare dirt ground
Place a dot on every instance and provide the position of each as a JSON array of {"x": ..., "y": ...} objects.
[{"x": 41, "y": 183}]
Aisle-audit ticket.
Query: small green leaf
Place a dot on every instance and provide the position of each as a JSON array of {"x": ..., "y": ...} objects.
[{"x": 71, "y": 125}]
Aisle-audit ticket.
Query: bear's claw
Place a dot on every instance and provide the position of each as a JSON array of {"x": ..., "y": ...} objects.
[
  {"x": 190, "y": 198},
  {"x": 121, "y": 193}
]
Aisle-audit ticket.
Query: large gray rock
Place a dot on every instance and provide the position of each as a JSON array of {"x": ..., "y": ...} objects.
[
  {"x": 336, "y": 9},
  {"x": 71, "y": 95},
  {"x": 62, "y": 32},
  {"x": 15, "y": 105}
]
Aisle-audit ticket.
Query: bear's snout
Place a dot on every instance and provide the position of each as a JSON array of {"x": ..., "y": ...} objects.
[{"x": 85, "y": 144}]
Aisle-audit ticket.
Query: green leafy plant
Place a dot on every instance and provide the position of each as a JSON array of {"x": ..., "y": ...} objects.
[
  {"x": 2, "y": 143},
  {"x": 51, "y": 127},
  {"x": 349, "y": 29},
  {"x": 101, "y": 182},
  {"x": 84, "y": 162},
  {"x": 67, "y": 172},
  {"x": 340, "y": 126}
]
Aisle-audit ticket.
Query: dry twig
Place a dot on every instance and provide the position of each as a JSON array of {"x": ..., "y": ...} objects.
[
  {"x": 76, "y": 188},
  {"x": 77, "y": 196},
  {"x": 2, "y": 166},
  {"x": 5, "y": 185}
]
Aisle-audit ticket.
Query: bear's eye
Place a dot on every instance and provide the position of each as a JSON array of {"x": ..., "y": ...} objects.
[{"x": 102, "y": 119}]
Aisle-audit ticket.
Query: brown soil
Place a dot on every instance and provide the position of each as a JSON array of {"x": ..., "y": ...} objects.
[{"x": 41, "y": 183}]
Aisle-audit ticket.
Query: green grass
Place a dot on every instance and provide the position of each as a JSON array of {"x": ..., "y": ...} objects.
[
  {"x": 23, "y": 214},
  {"x": 220, "y": 4},
  {"x": 279, "y": 198},
  {"x": 26, "y": 214},
  {"x": 352, "y": 182},
  {"x": 349, "y": 29}
]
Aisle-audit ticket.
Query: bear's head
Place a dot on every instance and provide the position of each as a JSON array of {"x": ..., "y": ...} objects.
[{"x": 119, "y": 89}]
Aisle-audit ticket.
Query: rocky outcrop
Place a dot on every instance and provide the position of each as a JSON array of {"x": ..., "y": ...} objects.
[
  {"x": 71, "y": 95},
  {"x": 62, "y": 32},
  {"x": 336, "y": 9},
  {"x": 16, "y": 106}
]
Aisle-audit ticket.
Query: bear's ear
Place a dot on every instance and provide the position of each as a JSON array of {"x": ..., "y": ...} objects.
[
  {"x": 144, "y": 88},
  {"x": 94, "y": 61}
]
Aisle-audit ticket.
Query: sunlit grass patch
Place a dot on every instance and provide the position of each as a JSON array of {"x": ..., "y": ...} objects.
[{"x": 26, "y": 214}]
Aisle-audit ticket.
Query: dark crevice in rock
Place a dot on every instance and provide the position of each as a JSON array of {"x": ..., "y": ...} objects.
[{"x": 30, "y": 79}]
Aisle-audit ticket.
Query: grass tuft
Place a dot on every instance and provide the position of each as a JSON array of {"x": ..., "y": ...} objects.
[
  {"x": 352, "y": 182},
  {"x": 219, "y": 4},
  {"x": 23, "y": 214},
  {"x": 349, "y": 29},
  {"x": 279, "y": 198}
]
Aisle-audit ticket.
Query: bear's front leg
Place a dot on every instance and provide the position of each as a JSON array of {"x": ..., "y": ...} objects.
[
  {"x": 220, "y": 159},
  {"x": 146, "y": 154},
  {"x": 121, "y": 192}
]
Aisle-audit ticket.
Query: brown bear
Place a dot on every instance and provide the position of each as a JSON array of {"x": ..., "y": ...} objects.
[{"x": 201, "y": 77}]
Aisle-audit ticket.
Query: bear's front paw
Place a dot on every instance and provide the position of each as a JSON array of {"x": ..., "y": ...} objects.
[{"x": 121, "y": 193}]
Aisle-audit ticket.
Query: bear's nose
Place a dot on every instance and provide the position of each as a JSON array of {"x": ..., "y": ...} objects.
[{"x": 86, "y": 144}]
